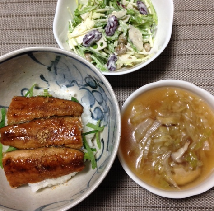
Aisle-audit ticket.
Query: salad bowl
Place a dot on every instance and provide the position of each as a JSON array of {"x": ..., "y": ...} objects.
[
  {"x": 160, "y": 36},
  {"x": 63, "y": 74}
]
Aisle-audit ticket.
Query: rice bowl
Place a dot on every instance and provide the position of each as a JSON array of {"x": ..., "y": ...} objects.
[{"x": 63, "y": 74}]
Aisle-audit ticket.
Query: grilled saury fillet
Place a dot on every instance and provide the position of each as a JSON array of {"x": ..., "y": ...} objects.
[
  {"x": 54, "y": 131},
  {"x": 32, "y": 166},
  {"x": 23, "y": 109}
]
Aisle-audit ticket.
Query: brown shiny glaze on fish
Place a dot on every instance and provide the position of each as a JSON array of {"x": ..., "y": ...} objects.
[
  {"x": 24, "y": 109},
  {"x": 32, "y": 166},
  {"x": 54, "y": 131}
]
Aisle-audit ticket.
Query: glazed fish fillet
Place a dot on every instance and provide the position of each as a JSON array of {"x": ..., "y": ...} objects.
[
  {"x": 32, "y": 166},
  {"x": 54, "y": 131},
  {"x": 24, "y": 109}
]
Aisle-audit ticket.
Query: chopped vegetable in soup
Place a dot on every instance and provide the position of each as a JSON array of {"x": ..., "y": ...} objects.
[{"x": 168, "y": 138}]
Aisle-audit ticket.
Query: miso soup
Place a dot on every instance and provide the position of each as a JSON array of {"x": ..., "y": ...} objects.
[{"x": 168, "y": 138}]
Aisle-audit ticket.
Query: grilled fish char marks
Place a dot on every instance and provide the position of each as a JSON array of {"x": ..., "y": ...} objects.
[
  {"x": 54, "y": 131},
  {"x": 23, "y": 109},
  {"x": 32, "y": 166}
]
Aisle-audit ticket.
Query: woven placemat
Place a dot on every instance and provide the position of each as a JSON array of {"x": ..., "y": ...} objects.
[{"x": 189, "y": 56}]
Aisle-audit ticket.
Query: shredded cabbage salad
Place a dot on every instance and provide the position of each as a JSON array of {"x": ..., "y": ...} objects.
[{"x": 113, "y": 34}]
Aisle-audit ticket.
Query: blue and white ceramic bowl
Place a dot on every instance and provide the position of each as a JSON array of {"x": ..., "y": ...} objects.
[{"x": 62, "y": 73}]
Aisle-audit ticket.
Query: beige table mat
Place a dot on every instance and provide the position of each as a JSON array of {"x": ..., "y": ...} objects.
[{"x": 189, "y": 56}]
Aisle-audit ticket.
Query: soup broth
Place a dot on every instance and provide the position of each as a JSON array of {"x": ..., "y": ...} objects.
[{"x": 168, "y": 138}]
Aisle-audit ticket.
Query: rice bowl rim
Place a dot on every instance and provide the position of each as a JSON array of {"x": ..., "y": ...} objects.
[{"x": 22, "y": 51}]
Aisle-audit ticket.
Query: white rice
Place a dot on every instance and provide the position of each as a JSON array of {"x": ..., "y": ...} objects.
[{"x": 50, "y": 182}]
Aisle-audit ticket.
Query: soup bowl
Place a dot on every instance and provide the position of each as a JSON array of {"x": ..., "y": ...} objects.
[
  {"x": 64, "y": 75},
  {"x": 181, "y": 191}
]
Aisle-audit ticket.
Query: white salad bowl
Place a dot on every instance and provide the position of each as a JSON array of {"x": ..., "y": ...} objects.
[
  {"x": 203, "y": 186},
  {"x": 63, "y": 74},
  {"x": 164, "y": 10}
]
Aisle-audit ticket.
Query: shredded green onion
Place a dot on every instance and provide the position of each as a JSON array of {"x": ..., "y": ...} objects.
[
  {"x": 90, "y": 154},
  {"x": 98, "y": 129},
  {"x": 86, "y": 155},
  {"x": 2, "y": 124},
  {"x": 46, "y": 94},
  {"x": 30, "y": 91},
  {"x": 95, "y": 127},
  {"x": 3, "y": 114},
  {"x": 98, "y": 140},
  {"x": 74, "y": 100},
  {"x": 90, "y": 132},
  {"x": 11, "y": 149}
]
